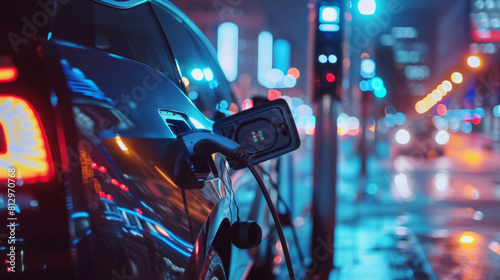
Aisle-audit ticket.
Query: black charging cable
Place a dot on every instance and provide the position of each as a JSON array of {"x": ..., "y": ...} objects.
[
  {"x": 289, "y": 213},
  {"x": 276, "y": 219}
]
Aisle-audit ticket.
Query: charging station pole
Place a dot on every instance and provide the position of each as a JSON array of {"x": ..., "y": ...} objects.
[{"x": 327, "y": 87}]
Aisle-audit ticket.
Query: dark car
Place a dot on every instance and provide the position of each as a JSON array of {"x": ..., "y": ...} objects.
[{"x": 93, "y": 98}]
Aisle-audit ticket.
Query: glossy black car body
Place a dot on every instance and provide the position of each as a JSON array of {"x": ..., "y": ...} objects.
[{"x": 119, "y": 201}]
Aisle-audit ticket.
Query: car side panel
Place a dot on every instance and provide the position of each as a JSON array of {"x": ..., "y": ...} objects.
[{"x": 130, "y": 218}]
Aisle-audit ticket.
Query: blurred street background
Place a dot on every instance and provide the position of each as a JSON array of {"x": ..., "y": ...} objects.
[{"x": 411, "y": 92}]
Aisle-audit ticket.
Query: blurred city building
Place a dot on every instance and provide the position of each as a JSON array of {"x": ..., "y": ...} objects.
[{"x": 271, "y": 56}]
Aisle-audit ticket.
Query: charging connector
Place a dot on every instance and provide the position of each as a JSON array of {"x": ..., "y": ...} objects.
[{"x": 202, "y": 143}]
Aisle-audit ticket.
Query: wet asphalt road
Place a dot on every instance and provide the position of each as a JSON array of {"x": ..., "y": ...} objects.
[{"x": 442, "y": 213}]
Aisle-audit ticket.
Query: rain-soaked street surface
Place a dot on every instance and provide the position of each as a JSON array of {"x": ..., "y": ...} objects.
[
  {"x": 411, "y": 217},
  {"x": 415, "y": 218}
]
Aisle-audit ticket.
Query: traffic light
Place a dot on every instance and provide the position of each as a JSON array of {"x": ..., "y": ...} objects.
[
  {"x": 329, "y": 18},
  {"x": 328, "y": 51}
]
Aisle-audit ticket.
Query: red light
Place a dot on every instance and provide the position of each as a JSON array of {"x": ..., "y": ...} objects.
[
  {"x": 330, "y": 77},
  {"x": 6, "y": 261},
  {"x": 109, "y": 197},
  {"x": 93, "y": 165},
  {"x": 442, "y": 110},
  {"x": 476, "y": 119},
  {"x": 25, "y": 141},
  {"x": 103, "y": 169},
  {"x": 102, "y": 194},
  {"x": 273, "y": 94},
  {"x": 247, "y": 104},
  {"x": 8, "y": 74},
  {"x": 123, "y": 187},
  {"x": 114, "y": 182},
  {"x": 138, "y": 211}
]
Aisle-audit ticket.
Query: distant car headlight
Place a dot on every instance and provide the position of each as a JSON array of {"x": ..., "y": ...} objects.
[
  {"x": 442, "y": 137},
  {"x": 403, "y": 137}
]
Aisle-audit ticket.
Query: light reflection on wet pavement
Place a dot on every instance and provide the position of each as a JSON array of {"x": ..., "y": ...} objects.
[
  {"x": 413, "y": 218},
  {"x": 439, "y": 204}
]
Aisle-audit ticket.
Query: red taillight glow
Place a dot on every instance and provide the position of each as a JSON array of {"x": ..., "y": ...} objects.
[
  {"x": 8, "y": 74},
  {"x": 330, "y": 77},
  {"x": 26, "y": 146}
]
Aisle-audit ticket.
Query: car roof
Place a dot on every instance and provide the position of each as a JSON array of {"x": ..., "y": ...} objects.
[{"x": 128, "y": 4}]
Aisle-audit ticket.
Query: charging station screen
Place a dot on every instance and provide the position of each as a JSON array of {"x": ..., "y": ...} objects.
[{"x": 257, "y": 135}]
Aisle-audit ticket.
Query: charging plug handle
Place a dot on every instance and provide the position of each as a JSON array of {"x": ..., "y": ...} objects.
[{"x": 203, "y": 143}]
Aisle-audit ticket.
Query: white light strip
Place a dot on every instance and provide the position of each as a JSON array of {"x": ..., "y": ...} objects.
[
  {"x": 265, "y": 56},
  {"x": 227, "y": 49}
]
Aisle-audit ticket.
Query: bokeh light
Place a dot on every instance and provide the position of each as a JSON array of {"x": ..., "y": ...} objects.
[
  {"x": 390, "y": 109},
  {"x": 294, "y": 72},
  {"x": 474, "y": 61},
  {"x": 364, "y": 85},
  {"x": 442, "y": 137},
  {"x": 457, "y": 78},
  {"x": 185, "y": 81},
  {"x": 197, "y": 74},
  {"x": 476, "y": 119},
  {"x": 403, "y": 137},
  {"x": 421, "y": 107},
  {"x": 467, "y": 238},
  {"x": 247, "y": 104},
  {"x": 447, "y": 85}
]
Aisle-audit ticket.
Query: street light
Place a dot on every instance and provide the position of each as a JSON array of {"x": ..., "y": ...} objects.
[
  {"x": 474, "y": 61},
  {"x": 457, "y": 78}
]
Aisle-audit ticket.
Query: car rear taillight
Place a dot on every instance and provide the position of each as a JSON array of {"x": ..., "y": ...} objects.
[{"x": 23, "y": 143}]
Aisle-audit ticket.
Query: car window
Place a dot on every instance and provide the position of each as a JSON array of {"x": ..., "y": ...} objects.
[
  {"x": 133, "y": 33},
  {"x": 204, "y": 81}
]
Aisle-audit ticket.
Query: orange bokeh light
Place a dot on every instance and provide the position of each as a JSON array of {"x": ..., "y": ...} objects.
[
  {"x": 294, "y": 72},
  {"x": 8, "y": 74},
  {"x": 468, "y": 238}
]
